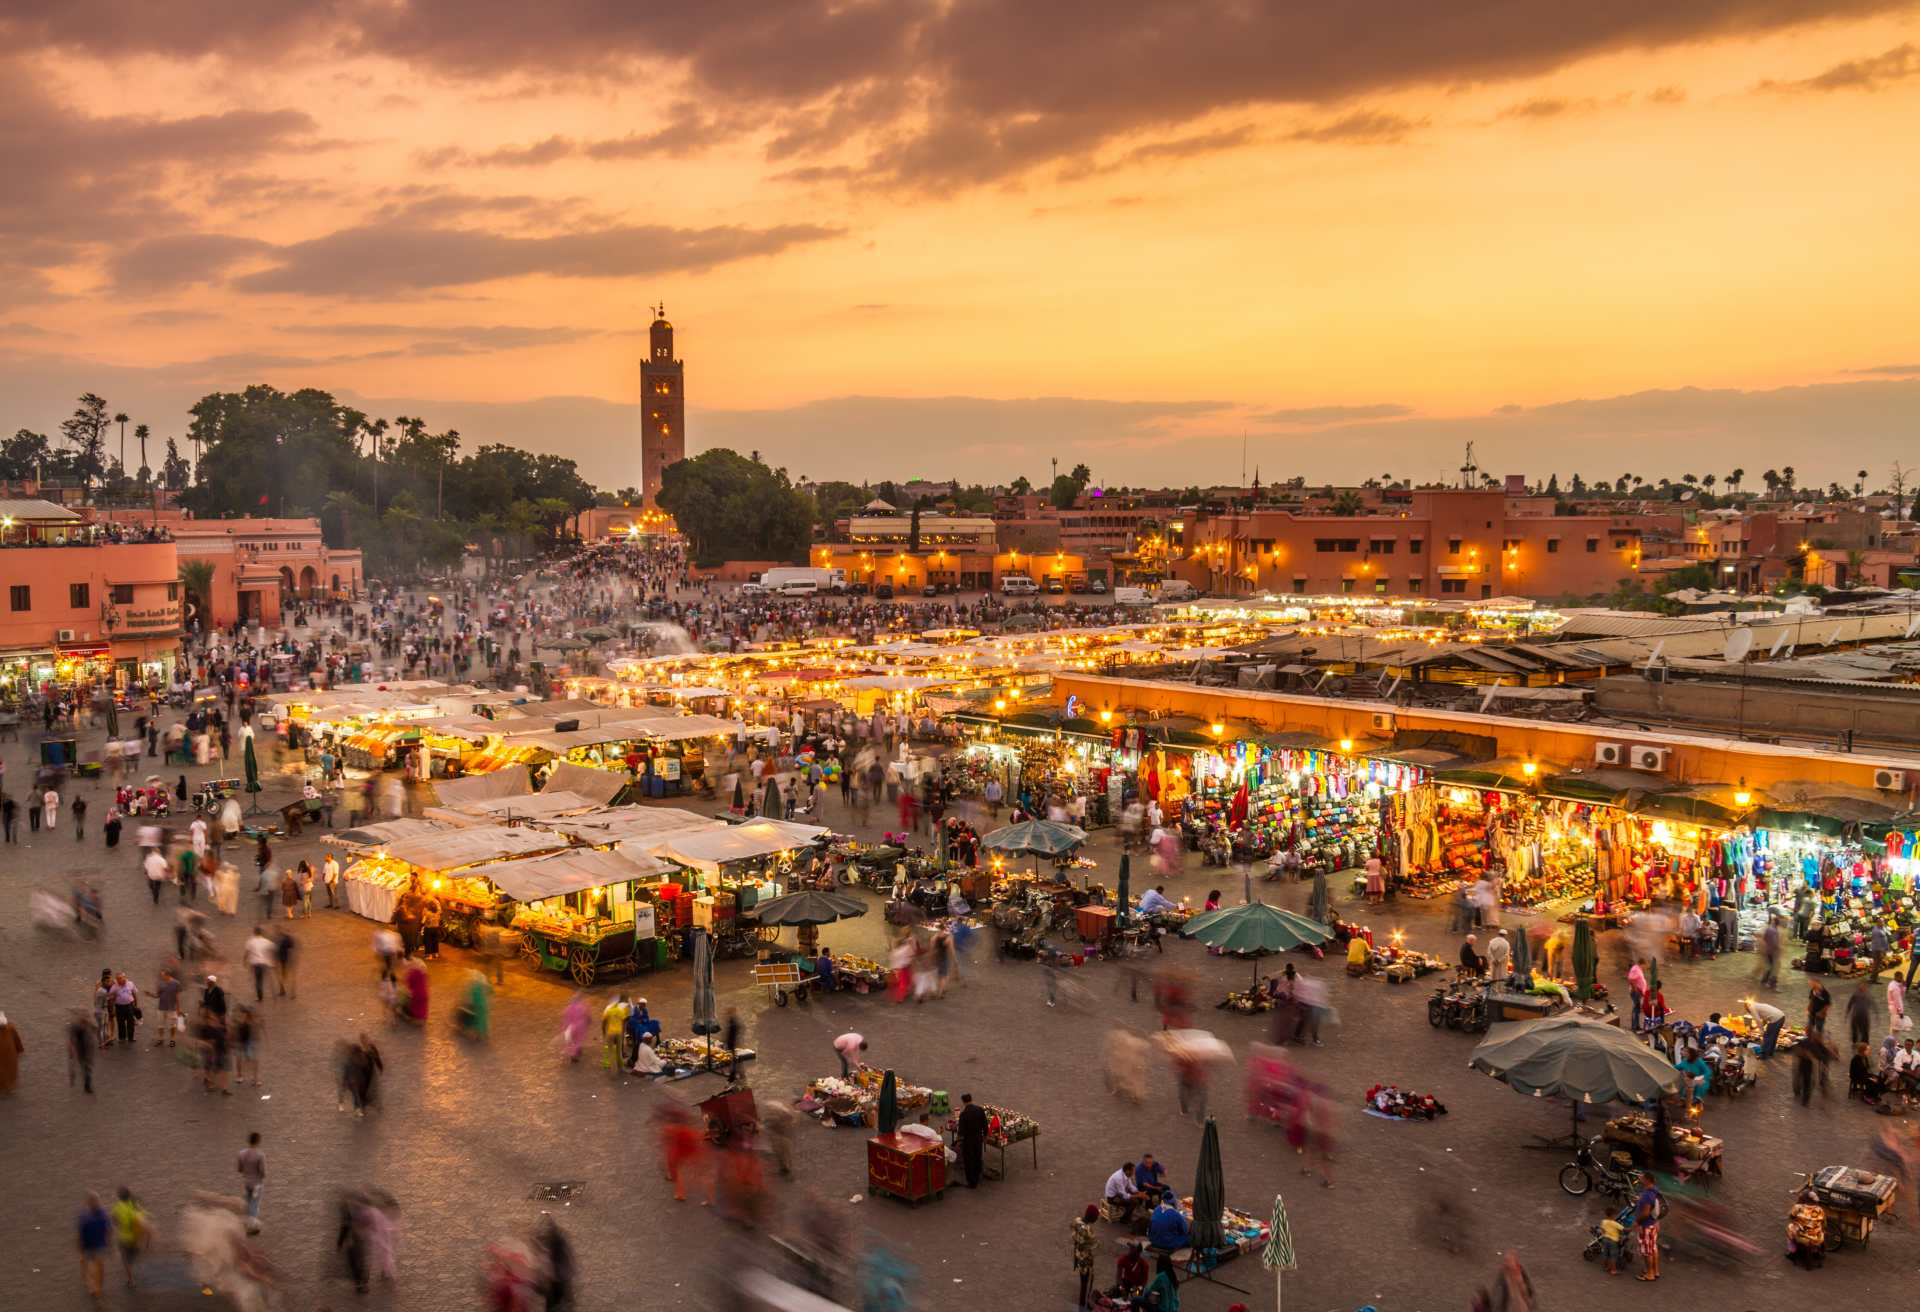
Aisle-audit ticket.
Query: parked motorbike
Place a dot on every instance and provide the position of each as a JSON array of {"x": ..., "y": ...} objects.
[
  {"x": 1593, "y": 1168},
  {"x": 1459, "y": 1010}
]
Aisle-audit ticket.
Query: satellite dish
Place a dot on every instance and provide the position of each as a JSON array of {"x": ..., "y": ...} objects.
[
  {"x": 1779, "y": 639},
  {"x": 1739, "y": 643}
]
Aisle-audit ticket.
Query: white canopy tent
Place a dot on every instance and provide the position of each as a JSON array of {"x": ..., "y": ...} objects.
[
  {"x": 708, "y": 849},
  {"x": 566, "y": 872}
]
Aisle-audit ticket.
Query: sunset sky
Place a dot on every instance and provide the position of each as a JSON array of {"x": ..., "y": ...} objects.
[{"x": 957, "y": 239}]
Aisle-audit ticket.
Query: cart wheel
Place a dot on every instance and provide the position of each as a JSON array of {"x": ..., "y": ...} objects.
[
  {"x": 583, "y": 973},
  {"x": 779, "y": 997}
]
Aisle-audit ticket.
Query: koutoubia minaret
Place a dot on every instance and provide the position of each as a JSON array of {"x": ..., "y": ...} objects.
[{"x": 663, "y": 406}]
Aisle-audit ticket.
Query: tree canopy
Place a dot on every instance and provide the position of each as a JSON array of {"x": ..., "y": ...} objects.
[{"x": 731, "y": 506}]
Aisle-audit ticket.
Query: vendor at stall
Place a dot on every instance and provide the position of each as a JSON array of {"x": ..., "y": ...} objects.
[
  {"x": 1155, "y": 900},
  {"x": 1167, "y": 1227},
  {"x": 1767, "y": 1019}
]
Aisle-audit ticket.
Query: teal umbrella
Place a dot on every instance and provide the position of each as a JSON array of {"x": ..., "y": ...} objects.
[
  {"x": 888, "y": 1112},
  {"x": 1317, "y": 900},
  {"x": 1126, "y": 877},
  {"x": 1038, "y": 837},
  {"x": 253, "y": 772},
  {"x": 1209, "y": 1194},
  {"x": 1586, "y": 960},
  {"x": 1255, "y": 928}
]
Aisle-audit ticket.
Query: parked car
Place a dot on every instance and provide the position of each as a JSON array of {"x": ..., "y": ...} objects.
[
  {"x": 1055, "y": 585},
  {"x": 1097, "y": 586},
  {"x": 883, "y": 592},
  {"x": 1077, "y": 586},
  {"x": 930, "y": 590}
]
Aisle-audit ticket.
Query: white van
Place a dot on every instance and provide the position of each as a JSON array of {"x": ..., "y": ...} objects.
[
  {"x": 1132, "y": 597},
  {"x": 800, "y": 588},
  {"x": 1018, "y": 585},
  {"x": 1177, "y": 590}
]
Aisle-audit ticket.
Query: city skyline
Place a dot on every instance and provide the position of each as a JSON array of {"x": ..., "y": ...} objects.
[{"x": 897, "y": 242}]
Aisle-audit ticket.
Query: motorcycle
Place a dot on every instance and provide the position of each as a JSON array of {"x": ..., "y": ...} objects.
[
  {"x": 1590, "y": 1170},
  {"x": 1455, "y": 1010}
]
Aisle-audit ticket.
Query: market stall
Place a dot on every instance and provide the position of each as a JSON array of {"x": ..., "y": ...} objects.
[
  {"x": 1004, "y": 1128},
  {"x": 855, "y": 1101},
  {"x": 423, "y": 862},
  {"x": 579, "y": 912}
]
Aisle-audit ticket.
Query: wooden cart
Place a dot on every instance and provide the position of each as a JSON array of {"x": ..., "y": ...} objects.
[
  {"x": 907, "y": 1166},
  {"x": 585, "y": 956},
  {"x": 1853, "y": 1200}
]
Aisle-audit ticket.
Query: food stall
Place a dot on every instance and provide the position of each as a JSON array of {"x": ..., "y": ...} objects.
[
  {"x": 855, "y": 1101},
  {"x": 733, "y": 867},
  {"x": 579, "y": 912},
  {"x": 432, "y": 862}
]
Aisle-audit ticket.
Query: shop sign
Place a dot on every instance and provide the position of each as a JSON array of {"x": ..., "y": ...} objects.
[
  {"x": 83, "y": 649},
  {"x": 151, "y": 617}
]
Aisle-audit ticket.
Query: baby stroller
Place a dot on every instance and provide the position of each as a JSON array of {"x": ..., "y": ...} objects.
[{"x": 1597, "y": 1245}]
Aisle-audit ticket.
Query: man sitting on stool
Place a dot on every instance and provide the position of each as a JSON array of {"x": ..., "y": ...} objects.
[{"x": 1121, "y": 1197}]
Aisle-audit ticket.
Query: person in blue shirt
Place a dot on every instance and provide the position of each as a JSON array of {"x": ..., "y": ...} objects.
[
  {"x": 1702, "y": 1074},
  {"x": 1167, "y": 1227},
  {"x": 1148, "y": 1175},
  {"x": 823, "y": 970},
  {"x": 96, "y": 1230},
  {"x": 1713, "y": 1030}
]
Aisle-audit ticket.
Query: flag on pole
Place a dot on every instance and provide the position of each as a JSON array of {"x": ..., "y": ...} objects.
[{"x": 1278, "y": 1254}]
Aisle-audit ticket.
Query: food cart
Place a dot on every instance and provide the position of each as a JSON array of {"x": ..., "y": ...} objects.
[
  {"x": 425, "y": 857},
  {"x": 579, "y": 913}
]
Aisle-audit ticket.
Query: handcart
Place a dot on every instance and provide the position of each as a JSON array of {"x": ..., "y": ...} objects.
[
  {"x": 1852, "y": 1200},
  {"x": 781, "y": 978}
]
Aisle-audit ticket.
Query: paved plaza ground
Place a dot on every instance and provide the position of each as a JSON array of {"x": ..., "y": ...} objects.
[{"x": 467, "y": 1132}]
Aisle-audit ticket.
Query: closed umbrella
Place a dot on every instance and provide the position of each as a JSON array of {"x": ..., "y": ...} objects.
[
  {"x": 739, "y": 798},
  {"x": 888, "y": 1112},
  {"x": 253, "y": 773},
  {"x": 1278, "y": 1256},
  {"x": 1317, "y": 900},
  {"x": 1126, "y": 877},
  {"x": 703, "y": 1018},
  {"x": 1255, "y": 928},
  {"x": 770, "y": 802},
  {"x": 1209, "y": 1193},
  {"x": 1584, "y": 1061},
  {"x": 113, "y": 718},
  {"x": 1522, "y": 955},
  {"x": 1586, "y": 960}
]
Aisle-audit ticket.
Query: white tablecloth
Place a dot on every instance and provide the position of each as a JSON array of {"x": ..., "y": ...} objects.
[{"x": 370, "y": 900}]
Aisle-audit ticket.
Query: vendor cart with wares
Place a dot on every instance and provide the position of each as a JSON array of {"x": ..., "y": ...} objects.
[
  {"x": 1852, "y": 1200},
  {"x": 781, "y": 979},
  {"x": 586, "y": 953},
  {"x": 910, "y": 1167}
]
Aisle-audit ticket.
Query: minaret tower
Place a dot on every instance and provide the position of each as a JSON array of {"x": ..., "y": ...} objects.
[{"x": 663, "y": 406}]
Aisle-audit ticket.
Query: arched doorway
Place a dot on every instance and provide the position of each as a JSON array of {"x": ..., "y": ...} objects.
[
  {"x": 309, "y": 582},
  {"x": 286, "y": 580},
  {"x": 336, "y": 585}
]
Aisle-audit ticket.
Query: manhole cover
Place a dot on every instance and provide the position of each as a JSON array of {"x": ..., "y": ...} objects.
[{"x": 558, "y": 1191}]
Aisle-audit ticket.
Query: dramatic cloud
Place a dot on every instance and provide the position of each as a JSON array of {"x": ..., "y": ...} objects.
[
  {"x": 979, "y": 88},
  {"x": 451, "y": 339},
  {"x": 686, "y": 131},
  {"x": 1322, "y": 415},
  {"x": 1875, "y": 73},
  {"x": 168, "y": 263},
  {"x": 1367, "y": 127},
  {"x": 385, "y": 258}
]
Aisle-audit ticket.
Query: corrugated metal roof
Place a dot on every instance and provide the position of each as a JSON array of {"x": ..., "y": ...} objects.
[{"x": 36, "y": 510}]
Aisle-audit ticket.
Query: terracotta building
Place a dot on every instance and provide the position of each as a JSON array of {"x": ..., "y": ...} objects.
[
  {"x": 663, "y": 407},
  {"x": 1462, "y": 544},
  {"x": 257, "y": 563},
  {"x": 79, "y": 607}
]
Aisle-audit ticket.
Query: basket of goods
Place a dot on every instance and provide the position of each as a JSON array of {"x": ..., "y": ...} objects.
[
  {"x": 1396, "y": 1104},
  {"x": 1254, "y": 1000}
]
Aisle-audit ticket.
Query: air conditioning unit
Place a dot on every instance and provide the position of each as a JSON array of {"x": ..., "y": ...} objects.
[
  {"x": 64, "y": 635},
  {"x": 1653, "y": 759},
  {"x": 1609, "y": 754},
  {"x": 1382, "y": 722},
  {"x": 1893, "y": 781}
]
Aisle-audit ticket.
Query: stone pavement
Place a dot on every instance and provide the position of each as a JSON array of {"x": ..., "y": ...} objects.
[{"x": 467, "y": 1132}]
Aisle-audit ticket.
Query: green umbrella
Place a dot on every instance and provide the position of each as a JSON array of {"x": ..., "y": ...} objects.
[
  {"x": 1039, "y": 837},
  {"x": 1522, "y": 954},
  {"x": 888, "y": 1112},
  {"x": 1586, "y": 960},
  {"x": 1209, "y": 1193},
  {"x": 253, "y": 769},
  {"x": 1255, "y": 927},
  {"x": 1126, "y": 877},
  {"x": 1653, "y": 976},
  {"x": 1575, "y": 1058},
  {"x": 1317, "y": 900}
]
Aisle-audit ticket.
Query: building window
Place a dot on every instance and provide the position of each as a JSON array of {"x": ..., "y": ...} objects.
[
  {"x": 1593, "y": 545},
  {"x": 1453, "y": 546},
  {"x": 1553, "y": 546},
  {"x": 1453, "y": 585},
  {"x": 1381, "y": 546},
  {"x": 173, "y": 592},
  {"x": 1380, "y": 585},
  {"x": 1346, "y": 585},
  {"x": 20, "y": 597},
  {"x": 1619, "y": 544},
  {"x": 1336, "y": 544},
  {"x": 1300, "y": 586},
  {"x": 121, "y": 593},
  {"x": 1416, "y": 546},
  {"x": 1416, "y": 585},
  {"x": 79, "y": 596}
]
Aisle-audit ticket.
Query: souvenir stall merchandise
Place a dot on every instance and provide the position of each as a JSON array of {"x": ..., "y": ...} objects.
[
  {"x": 1542, "y": 848},
  {"x": 373, "y": 887},
  {"x": 680, "y": 1055},
  {"x": 1850, "y": 888},
  {"x": 856, "y": 1101},
  {"x": 1390, "y": 1102},
  {"x": 1245, "y": 1233},
  {"x": 1003, "y": 1129},
  {"x": 1322, "y": 808},
  {"x": 1696, "y": 1150},
  {"x": 862, "y": 974}
]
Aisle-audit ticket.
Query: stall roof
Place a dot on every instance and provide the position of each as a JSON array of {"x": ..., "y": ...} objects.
[
  {"x": 627, "y": 729},
  {"x": 535, "y": 806},
  {"x": 513, "y": 781},
  {"x": 566, "y": 872},
  {"x": 676, "y": 728},
  {"x": 642, "y": 827},
  {"x": 452, "y": 849},
  {"x": 384, "y": 832},
  {"x": 708, "y": 850},
  {"x": 598, "y": 786}
]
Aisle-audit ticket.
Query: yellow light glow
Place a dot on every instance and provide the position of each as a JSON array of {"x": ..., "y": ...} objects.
[
  {"x": 1346, "y": 744},
  {"x": 1529, "y": 769},
  {"x": 1218, "y": 728},
  {"x": 1742, "y": 798},
  {"x": 1106, "y": 716}
]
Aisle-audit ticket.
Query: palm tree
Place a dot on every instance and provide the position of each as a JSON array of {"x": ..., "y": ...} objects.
[
  {"x": 1860, "y": 483},
  {"x": 1772, "y": 479},
  {"x": 1786, "y": 478},
  {"x": 196, "y": 581},
  {"x": 1708, "y": 480},
  {"x": 121, "y": 420},
  {"x": 1734, "y": 478},
  {"x": 140, "y": 434}
]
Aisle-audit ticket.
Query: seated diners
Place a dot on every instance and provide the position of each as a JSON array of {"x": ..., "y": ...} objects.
[
  {"x": 1471, "y": 962},
  {"x": 1167, "y": 1227},
  {"x": 1121, "y": 1196}
]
